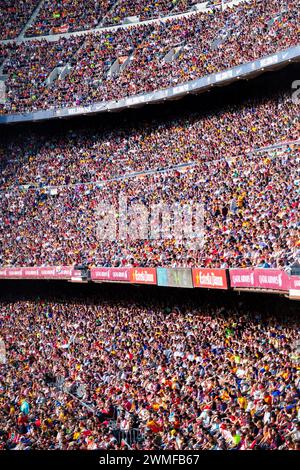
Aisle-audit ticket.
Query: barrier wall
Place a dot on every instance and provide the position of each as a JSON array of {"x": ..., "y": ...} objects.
[
  {"x": 39, "y": 273},
  {"x": 251, "y": 279},
  {"x": 273, "y": 279},
  {"x": 210, "y": 278},
  {"x": 294, "y": 289},
  {"x": 132, "y": 275}
]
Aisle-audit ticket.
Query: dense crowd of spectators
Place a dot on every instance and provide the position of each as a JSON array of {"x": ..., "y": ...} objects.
[
  {"x": 117, "y": 374},
  {"x": 251, "y": 218},
  {"x": 60, "y": 16},
  {"x": 35, "y": 61},
  {"x": 202, "y": 44},
  {"x": 146, "y": 10},
  {"x": 51, "y": 191},
  {"x": 114, "y": 374},
  {"x": 72, "y": 15},
  {"x": 29, "y": 64},
  {"x": 14, "y": 15},
  {"x": 93, "y": 154}
]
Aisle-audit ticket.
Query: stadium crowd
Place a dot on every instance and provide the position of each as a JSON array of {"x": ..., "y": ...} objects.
[
  {"x": 14, "y": 16},
  {"x": 251, "y": 218},
  {"x": 28, "y": 66},
  {"x": 201, "y": 44},
  {"x": 165, "y": 370},
  {"x": 52, "y": 190},
  {"x": 146, "y": 10},
  {"x": 118, "y": 374},
  {"x": 93, "y": 154},
  {"x": 68, "y": 15},
  {"x": 57, "y": 17},
  {"x": 72, "y": 15},
  {"x": 207, "y": 43}
]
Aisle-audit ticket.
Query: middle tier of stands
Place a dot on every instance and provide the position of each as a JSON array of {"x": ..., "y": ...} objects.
[{"x": 240, "y": 163}]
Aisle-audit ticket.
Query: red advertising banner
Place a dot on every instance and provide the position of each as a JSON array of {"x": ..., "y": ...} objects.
[
  {"x": 258, "y": 278},
  {"x": 264, "y": 278},
  {"x": 100, "y": 274},
  {"x": 294, "y": 282},
  {"x": 11, "y": 273},
  {"x": 274, "y": 279},
  {"x": 120, "y": 274},
  {"x": 294, "y": 287},
  {"x": 143, "y": 276},
  {"x": 111, "y": 274},
  {"x": 210, "y": 278},
  {"x": 241, "y": 278},
  {"x": 61, "y": 29},
  {"x": 48, "y": 272}
]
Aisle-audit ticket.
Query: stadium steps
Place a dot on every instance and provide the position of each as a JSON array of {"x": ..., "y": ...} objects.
[
  {"x": 3, "y": 77},
  {"x": 229, "y": 28},
  {"x": 30, "y": 21},
  {"x": 172, "y": 54},
  {"x": 2, "y": 68},
  {"x": 117, "y": 67},
  {"x": 102, "y": 22},
  {"x": 2, "y": 89},
  {"x": 232, "y": 26},
  {"x": 58, "y": 73}
]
